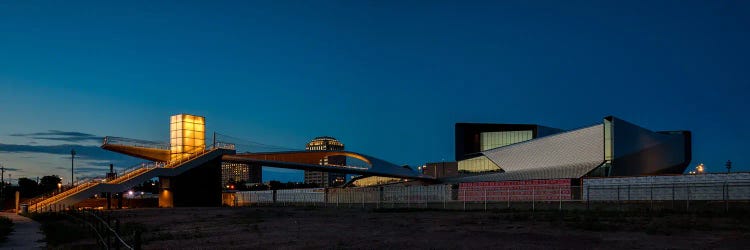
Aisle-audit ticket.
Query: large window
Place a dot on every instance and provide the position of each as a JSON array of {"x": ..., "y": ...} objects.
[
  {"x": 477, "y": 164},
  {"x": 490, "y": 140}
]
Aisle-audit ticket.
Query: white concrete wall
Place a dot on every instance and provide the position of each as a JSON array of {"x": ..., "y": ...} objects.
[{"x": 734, "y": 186}]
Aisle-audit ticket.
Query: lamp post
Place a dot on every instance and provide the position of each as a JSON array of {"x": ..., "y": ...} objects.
[
  {"x": 729, "y": 166},
  {"x": 59, "y": 187},
  {"x": 72, "y": 159}
]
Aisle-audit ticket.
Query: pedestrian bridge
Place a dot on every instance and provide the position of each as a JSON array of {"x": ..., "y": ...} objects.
[{"x": 178, "y": 174}]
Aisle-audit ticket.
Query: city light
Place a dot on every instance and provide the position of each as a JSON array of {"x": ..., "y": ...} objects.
[{"x": 700, "y": 169}]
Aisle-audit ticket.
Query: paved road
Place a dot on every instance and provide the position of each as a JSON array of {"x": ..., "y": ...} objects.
[{"x": 26, "y": 233}]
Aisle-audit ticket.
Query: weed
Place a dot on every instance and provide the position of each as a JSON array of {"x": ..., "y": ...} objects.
[{"x": 6, "y": 226}]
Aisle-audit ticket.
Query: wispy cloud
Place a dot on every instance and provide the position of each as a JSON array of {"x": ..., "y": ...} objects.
[
  {"x": 57, "y": 135},
  {"x": 86, "y": 155}
]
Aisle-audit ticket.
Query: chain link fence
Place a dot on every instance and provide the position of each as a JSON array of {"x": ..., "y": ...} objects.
[{"x": 714, "y": 196}]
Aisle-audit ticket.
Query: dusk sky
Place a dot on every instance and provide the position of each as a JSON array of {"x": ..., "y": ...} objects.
[{"x": 387, "y": 78}]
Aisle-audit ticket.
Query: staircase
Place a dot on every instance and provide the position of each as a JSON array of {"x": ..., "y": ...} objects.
[{"x": 129, "y": 178}]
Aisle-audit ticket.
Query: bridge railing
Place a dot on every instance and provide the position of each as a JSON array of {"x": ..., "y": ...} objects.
[
  {"x": 113, "y": 140},
  {"x": 59, "y": 196},
  {"x": 134, "y": 171},
  {"x": 199, "y": 152}
]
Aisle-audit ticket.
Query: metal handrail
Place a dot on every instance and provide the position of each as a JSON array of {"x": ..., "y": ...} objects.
[
  {"x": 106, "y": 225},
  {"x": 127, "y": 174},
  {"x": 62, "y": 195}
]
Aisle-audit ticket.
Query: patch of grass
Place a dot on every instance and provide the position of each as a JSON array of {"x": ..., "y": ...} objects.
[
  {"x": 6, "y": 226},
  {"x": 129, "y": 228},
  {"x": 403, "y": 210},
  {"x": 591, "y": 223},
  {"x": 655, "y": 227},
  {"x": 60, "y": 229}
]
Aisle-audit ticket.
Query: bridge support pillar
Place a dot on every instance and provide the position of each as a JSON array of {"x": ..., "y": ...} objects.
[
  {"x": 109, "y": 200},
  {"x": 119, "y": 200},
  {"x": 166, "y": 199},
  {"x": 197, "y": 187}
]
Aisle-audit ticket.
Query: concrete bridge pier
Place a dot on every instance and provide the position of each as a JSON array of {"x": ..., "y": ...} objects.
[{"x": 197, "y": 187}]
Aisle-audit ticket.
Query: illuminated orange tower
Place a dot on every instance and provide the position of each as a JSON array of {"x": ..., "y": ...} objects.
[{"x": 187, "y": 135}]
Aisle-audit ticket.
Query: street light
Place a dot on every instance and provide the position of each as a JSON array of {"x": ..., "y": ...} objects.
[
  {"x": 72, "y": 158},
  {"x": 59, "y": 187},
  {"x": 729, "y": 166}
]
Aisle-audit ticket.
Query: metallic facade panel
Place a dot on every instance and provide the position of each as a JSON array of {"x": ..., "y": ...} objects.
[
  {"x": 571, "y": 148},
  {"x": 565, "y": 155}
]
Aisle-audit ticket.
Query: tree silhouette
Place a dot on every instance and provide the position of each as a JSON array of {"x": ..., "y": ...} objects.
[
  {"x": 28, "y": 187},
  {"x": 48, "y": 183}
]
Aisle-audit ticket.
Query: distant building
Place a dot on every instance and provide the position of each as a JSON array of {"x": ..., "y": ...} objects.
[
  {"x": 440, "y": 169},
  {"x": 238, "y": 172},
  {"x": 325, "y": 179}
]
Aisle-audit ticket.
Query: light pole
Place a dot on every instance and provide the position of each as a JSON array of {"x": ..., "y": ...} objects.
[
  {"x": 729, "y": 166},
  {"x": 72, "y": 159},
  {"x": 59, "y": 187}
]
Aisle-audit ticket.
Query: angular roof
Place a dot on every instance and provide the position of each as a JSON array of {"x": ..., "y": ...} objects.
[{"x": 570, "y": 154}]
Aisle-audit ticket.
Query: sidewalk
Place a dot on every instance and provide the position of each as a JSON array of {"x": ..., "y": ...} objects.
[{"x": 26, "y": 233}]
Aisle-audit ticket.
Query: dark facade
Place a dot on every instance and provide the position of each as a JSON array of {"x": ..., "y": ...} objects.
[
  {"x": 326, "y": 179},
  {"x": 441, "y": 169},
  {"x": 637, "y": 150},
  {"x": 469, "y": 136}
]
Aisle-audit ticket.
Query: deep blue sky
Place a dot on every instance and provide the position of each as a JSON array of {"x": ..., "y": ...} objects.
[{"x": 387, "y": 78}]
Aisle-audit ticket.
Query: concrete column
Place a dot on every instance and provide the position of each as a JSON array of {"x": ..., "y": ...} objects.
[
  {"x": 166, "y": 198},
  {"x": 119, "y": 200},
  {"x": 109, "y": 200}
]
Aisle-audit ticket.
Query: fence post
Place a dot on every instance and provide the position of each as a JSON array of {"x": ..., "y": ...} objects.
[
  {"x": 726, "y": 197},
  {"x": 619, "y": 204},
  {"x": 273, "y": 196},
  {"x": 408, "y": 198},
  {"x": 463, "y": 198},
  {"x": 651, "y": 197},
  {"x": 561, "y": 197},
  {"x": 380, "y": 196},
  {"x": 687, "y": 204},
  {"x": 508, "y": 194},
  {"x": 444, "y": 195},
  {"x": 673, "y": 195},
  {"x": 588, "y": 197},
  {"x": 533, "y": 199},
  {"x": 628, "y": 191},
  {"x": 485, "y": 199}
]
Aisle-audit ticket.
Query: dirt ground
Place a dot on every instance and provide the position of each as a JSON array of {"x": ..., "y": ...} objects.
[{"x": 347, "y": 228}]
